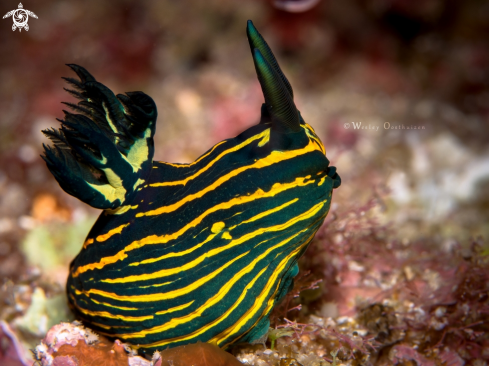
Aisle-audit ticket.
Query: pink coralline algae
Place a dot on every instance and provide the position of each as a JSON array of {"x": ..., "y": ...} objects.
[{"x": 70, "y": 344}]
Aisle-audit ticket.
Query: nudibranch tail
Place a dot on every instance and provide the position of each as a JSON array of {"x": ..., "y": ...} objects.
[{"x": 104, "y": 152}]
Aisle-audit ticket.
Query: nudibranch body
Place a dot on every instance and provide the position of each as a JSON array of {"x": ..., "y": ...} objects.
[{"x": 189, "y": 252}]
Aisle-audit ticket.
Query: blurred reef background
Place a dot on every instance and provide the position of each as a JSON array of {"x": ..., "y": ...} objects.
[{"x": 397, "y": 90}]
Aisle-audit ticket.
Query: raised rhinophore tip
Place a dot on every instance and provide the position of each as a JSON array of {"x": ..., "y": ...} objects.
[
  {"x": 276, "y": 88},
  {"x": 279, "y": 103},
  {"x": 257, "y": 41}
]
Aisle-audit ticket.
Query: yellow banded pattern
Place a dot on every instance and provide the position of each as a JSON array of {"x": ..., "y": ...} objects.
[
  {"x": 270, "y": 203},
  {"x": 189, "y": 252}
]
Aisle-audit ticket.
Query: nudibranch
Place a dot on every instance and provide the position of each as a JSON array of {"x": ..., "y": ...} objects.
[{"x": 188, "y": 252}]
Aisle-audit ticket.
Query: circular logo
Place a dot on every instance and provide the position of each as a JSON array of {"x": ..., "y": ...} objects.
[
  {"x": 347, "y": 125},
  {"x": 20, "y": 17}
]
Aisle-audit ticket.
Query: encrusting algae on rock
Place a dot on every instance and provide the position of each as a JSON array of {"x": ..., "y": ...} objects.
[{"x": 70, "y": 344}]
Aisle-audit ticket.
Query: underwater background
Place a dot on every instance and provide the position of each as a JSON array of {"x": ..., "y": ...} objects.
[{"x": 398, "y": 92}]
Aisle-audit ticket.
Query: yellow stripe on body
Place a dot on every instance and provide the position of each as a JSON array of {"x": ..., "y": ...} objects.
[
  {"x": 226, "y": 288},
  {"x": 176, "y": 308},
  {"x": 106, "y": 314},
  {"x": 162, "y": 296},
  {"x": 87, "y": 243},
  {"x": 310, "y": 128},
  {"x": 273, "y": 158},
  {"x": 262, "y": 135},
  {"x": 216, "y": 229},
  {"x": 252, "y": 311},
  {"x": 223, "y": 291},
  {"x": 168, "y": 295},
  {"x": 175, "y": 254},
  {"x": 110, "y": 233},
  {"x": 314, "y": 136},
  {"x": 112, "y": 306},
  {"x": 210, "y": 325},
  {"x": 155, "y": 239},
  {"x": 194, "y": 162},
  {"x": 158, "y": 285},
  {"x": 103, "y": 313},
  {"x": 211, "y": 253},
  {"x": 266, "y": 213},
  {"x": 265, "y": 139}
]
